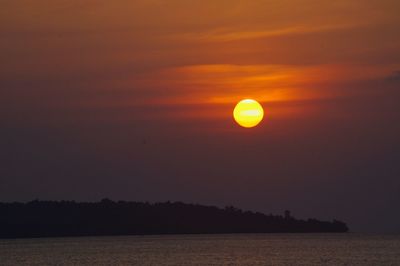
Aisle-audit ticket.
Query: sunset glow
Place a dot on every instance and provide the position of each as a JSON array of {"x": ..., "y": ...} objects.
[{"x": 142, "y": 100}]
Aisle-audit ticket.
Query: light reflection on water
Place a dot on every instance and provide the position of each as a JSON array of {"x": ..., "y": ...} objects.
[{"x": 246, "y": 249}]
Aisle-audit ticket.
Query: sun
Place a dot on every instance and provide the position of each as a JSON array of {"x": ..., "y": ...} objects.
[{"x": 248, "y": 113}]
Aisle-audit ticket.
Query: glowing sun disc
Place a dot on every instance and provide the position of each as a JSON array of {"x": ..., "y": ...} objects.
[{"x": 248, "y": 113}]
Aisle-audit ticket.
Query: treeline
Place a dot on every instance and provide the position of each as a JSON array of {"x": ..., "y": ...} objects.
[{"x": 69, "y": 218}]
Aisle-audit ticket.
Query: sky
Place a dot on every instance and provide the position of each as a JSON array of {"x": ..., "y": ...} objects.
[{"x": 133, "y": 100}]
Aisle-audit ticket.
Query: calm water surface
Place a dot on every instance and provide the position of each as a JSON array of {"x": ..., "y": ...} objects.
[{"x": 256, "y": 249}]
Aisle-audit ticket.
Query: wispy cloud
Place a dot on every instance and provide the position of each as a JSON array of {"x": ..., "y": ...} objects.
[
  {"x": 232, "y": 34},
  {"x": 394, "y": 77}
]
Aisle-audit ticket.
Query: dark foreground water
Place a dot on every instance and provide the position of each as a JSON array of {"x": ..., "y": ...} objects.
[{"x": 257, "y": 249}]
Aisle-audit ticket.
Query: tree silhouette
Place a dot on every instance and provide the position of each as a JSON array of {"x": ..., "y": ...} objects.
[{"x": 69, "y": 218}]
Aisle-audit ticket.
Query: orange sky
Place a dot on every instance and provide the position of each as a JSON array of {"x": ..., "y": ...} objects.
[
  {"x": 134, "y": 100},
  {"x": 176, "y": 52}
]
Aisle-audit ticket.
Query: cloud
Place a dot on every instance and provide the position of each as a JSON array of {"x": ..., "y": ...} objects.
[
  {"x": 394, "y": 77},
  {"x": 233, "y": 34}
]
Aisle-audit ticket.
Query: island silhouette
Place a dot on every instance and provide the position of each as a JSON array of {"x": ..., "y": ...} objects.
[{"x": 110, "y": 218}]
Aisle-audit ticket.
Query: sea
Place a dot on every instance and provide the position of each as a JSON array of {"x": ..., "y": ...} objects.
[{"x": 235, "y": 249}]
